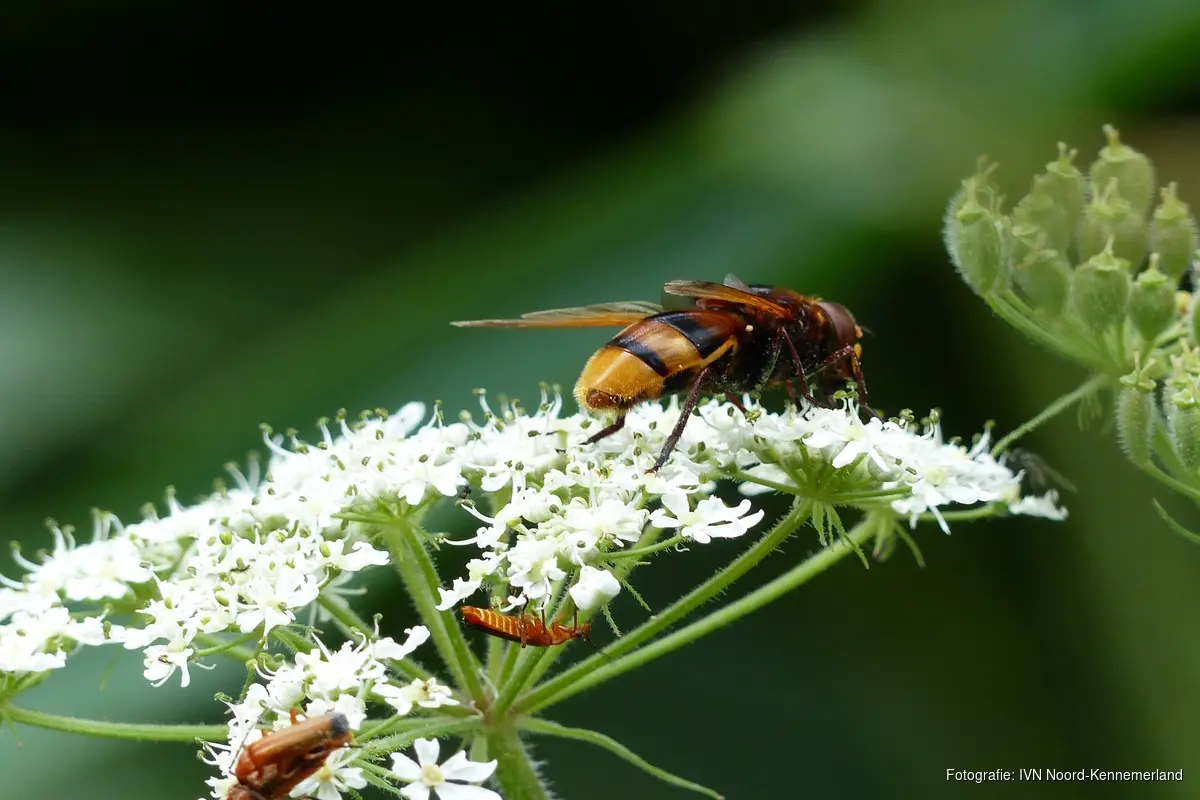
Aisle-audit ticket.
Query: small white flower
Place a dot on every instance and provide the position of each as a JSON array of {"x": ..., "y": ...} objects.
[
  {"x": 533, "y": 567},
  {"x": 333, "y": 778},
  {"x": 352, "y": 707},
  {"x": 387, "y": 647},
  {"x": 360, "y": 556},
  {"x": 459, "y": 590},
  {"x": 711, "y": 518},
  {"x": 427, "y": 694},
  {"x": 269, "y": 602},
  {"x": 162, "y": 660},
  {"x": 1045, "y": 506},
  {"x": 344, "y": 670},
  {"x": 594, "y": 588},
  {"x": 425, "y": 775}
]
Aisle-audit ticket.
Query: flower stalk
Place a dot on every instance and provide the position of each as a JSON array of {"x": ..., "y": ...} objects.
[{"x": 565, "y": 529}]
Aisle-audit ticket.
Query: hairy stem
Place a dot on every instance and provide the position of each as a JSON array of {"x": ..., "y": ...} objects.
[
  {"x": 515, "y": 771},
  {"x": 1088, "y": 387},
  {"x": 420, "y": 580},
  {"x": 798, "y": 515},
  {"x": 550, "y": 693},
  {"x": 116, "y": 730}
]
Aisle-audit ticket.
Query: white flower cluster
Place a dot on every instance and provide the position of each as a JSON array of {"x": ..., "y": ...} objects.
[
  {"x": 248, "y": 559},
  {"x": 594, "y": 500},
  {"x": 322, "y": 682},
  {"x": 930, "y": 473}
]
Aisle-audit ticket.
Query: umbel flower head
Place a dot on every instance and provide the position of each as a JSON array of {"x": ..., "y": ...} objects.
[
  {"x": 556, "y": 527},
  {"x": 249, "y": 558}
]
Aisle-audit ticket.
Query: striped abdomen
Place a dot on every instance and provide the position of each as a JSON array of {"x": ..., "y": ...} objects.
[
  {"x": 515, "y": 629},
  {"x": 655, "y": 356},
  {"x": 524, "y": 629}
]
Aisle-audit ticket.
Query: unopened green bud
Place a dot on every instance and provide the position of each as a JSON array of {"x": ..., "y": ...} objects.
[
  {"x": 1100, "y": 289},
  {"x": 1183, "y": 416},
  {"x": 1065, "y": 183},
  {"x": 1173, "y": 234},
  {"x": 1185, "y": 367},
  {"x": 1132, "y": 170},
  {"x": 1152, "y": 301},
  {"x": 1040, "y": 210},
  {"x": 1110, "y": 217},
  {"x": 1135, "y": 417},
  {"x": 977, "y": 234},
  {"x": 1044, "y": 277}
]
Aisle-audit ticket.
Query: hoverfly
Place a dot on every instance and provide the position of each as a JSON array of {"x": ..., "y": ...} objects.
[
  {"x": 736, "y": 338},
  {"x": 528, "y": 630},
  {"x": 269, "y": 768}
]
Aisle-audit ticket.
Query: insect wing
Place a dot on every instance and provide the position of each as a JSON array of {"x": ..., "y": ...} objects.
[
  {"x": 298, "y": 740},
  {"x": 734, "y": 282},
  {"x": 600, "y": 315},
  {"x": 705, "y": 290}
]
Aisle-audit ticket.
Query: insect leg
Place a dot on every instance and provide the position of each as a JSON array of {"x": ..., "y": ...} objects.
[
  {"x": 735, "y": 402},
  {"x": 804, "y": 391},
  {"x": 609, "y": 431},
  {"x": 689, "y": 405},
  {"x": 856, "y": 368},
  {"x": 521, "y": 627}
]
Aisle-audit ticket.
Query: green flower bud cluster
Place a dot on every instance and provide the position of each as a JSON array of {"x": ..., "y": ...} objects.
[
  {"x": 1087, "y": 265},
  {"x": 1102, "y": 268}
]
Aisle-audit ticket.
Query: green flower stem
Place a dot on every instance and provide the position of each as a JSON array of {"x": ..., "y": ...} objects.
[
  {"x": 518, "y": 777},
  {"x": 133, "y": 731},
  {"x": 379, "y": 777},
  {"x": 1008, "y": 311},
  {"x": 232, "y": 647},
  {"x": 433, "y": 730},
  {"x": 1088, "y": 387},
  {"x": 496, "y": 659},
  {"x": 799, "y": 514},
  {"x": 1175, "y": 526},
  {"x": 350, "y": 622},
  {"x": 292, "y": 641},
  {"x": 479, "y": 750},
  {"x": 512, "y": 652},
  {"x": 534, "y": 725},
  {"x": 638, "y": 552},
  {"x": 1153, "y": 471},
  {"x": 966, "y": 515},
  {"x": 621, "y": 569},
  {"x": 745, "y": 477},
  {"x": 550, "y": 693},
  {"x": 396, "y": 722},
  {"x": 876, "y": 495},
  {"x": 514, "y": 685},
  {"x": 420, "y": 580},
  {"x": 1165, "y": 450}
]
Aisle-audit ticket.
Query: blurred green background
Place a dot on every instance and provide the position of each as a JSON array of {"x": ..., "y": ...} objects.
[{"x": 216, "y": 215}]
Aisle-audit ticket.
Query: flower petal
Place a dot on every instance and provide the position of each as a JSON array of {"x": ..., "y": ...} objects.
[
  {"x": 457, "y": 791},
  {"x": 416, "y": 791},
  {"x": 405, "y": 768},
  {"x": 458, "y": 768},
  {"x": 427, "y": 751}
]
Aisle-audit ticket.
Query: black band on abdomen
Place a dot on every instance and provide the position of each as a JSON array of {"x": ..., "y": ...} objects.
[{"x": 640, "y": 351}]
